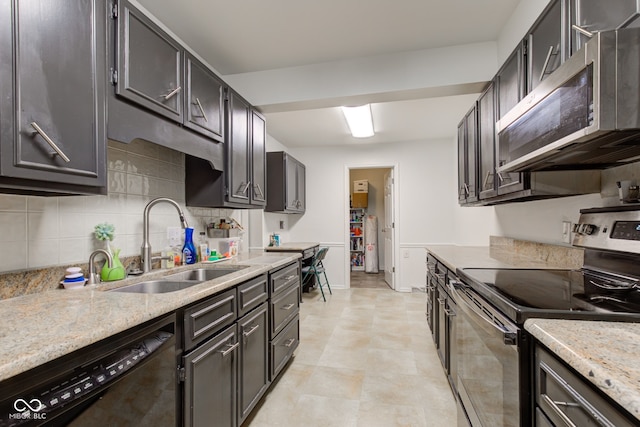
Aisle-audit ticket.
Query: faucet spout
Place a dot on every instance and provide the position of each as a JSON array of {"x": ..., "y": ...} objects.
[
  {"x": 145, "y": 258},
  {"x": 93, "y": 276}
]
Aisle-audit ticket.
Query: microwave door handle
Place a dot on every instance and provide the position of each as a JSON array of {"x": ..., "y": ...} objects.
[{"x": 508, "y": 335}]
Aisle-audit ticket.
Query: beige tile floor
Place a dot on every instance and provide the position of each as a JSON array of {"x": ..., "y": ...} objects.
[{"x": 365, "y": 359}]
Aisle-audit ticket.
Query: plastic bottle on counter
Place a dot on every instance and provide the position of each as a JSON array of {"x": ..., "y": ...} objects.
[
  {"x": 189, "y": 254},
  {"x": 203, "y": 247}
]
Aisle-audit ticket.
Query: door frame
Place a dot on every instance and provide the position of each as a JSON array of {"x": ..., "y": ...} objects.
[{"x": 347, "y": 188}]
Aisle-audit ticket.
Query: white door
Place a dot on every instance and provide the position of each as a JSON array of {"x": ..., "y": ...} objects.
[{"x": 389, "y": 230}]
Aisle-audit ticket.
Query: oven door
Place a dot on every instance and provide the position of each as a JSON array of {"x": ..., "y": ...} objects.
[{"x": 487, "y": 360}]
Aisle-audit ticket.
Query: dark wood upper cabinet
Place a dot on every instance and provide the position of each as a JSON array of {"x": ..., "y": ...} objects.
[
  {"x": 544, "y": 46},
  {"x": 238, "y": 149},
  {"x": 52, "y": 86},
  {"x": 486, "y": 143},
  {"x": 149, "y": 64},
  {"x": 258, "y": 159},
  {"x": 204, "y": 99},
  {"x": 467, "y": 158},
  {"x": 286, "y": 183}
]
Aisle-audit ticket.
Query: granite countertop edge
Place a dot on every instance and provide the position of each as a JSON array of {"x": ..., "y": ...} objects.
[
  {"x": 599, "y": 351},
  {"x": 39, "y": 328}
]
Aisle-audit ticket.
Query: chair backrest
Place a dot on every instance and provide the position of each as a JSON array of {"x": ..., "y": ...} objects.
[{"x": 320, "y": 255}]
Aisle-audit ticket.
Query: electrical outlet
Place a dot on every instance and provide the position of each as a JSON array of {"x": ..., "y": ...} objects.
[
  {"x": 566, "y": 231},
  {"x": 174, "y": 236},
  {"x": 281, "y": 225}
]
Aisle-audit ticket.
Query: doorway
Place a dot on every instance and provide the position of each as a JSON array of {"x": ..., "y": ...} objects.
[{"x": 371, "y": 232}]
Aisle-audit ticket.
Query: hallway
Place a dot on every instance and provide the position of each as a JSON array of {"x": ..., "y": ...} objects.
[{"x": 365, "y": 359}]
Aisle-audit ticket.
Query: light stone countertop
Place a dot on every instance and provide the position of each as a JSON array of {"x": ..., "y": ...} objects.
[
  {"x": 454, "y": 257},
  {"x": 292, "y": 246},
  {"x": 41, "y": 327},
  {"x": 604, "y": 353}
]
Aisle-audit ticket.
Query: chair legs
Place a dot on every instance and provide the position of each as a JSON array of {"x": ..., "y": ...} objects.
[{"x": 316, "y": 274}]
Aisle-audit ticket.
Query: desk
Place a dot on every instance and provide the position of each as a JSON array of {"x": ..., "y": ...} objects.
[{"x": 307, "y": 249}]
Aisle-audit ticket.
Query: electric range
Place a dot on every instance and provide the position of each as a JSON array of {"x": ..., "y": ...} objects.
[{"x": 494, "y": 352}]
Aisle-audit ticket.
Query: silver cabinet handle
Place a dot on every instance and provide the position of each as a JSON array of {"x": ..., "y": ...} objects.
[
  {"x": 172, "y": 93},
  {"x": 546, "y": 63},
  {"x": 53, "y": 145},
  {"x": 500, "y": 177},
  {"x": 288, "y": 307},
  {"x": 229, "y": 349},
  {"x": 260, "y": 193},
  {"x": 293, "y": 276},
  {"x": 582, "y": 30},
  {"x": 486, "y": 179},
  {"x": 290, "y": 342},
  {"x": 204, "y": 116},
  {"x": 246, "y": 187},
  {"x": 250, "y": 331}
]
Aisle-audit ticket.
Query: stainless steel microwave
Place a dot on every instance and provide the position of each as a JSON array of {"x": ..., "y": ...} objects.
[{"x": 585, "y": 115}]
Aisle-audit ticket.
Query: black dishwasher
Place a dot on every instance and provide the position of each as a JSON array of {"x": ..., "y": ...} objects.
[{"x": 125, "y": 380}]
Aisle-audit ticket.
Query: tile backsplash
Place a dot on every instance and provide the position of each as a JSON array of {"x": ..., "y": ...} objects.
[{"x": 46, "y": 231}]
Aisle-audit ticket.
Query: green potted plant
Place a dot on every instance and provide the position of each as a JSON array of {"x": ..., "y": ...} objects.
[{"x": 106, "y": 232}]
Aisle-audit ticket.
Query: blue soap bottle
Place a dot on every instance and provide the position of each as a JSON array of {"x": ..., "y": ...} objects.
[{"x": 189, "y": 250}]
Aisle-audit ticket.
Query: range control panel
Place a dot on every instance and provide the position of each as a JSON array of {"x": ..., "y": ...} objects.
[{"x": 616, "y": 229}]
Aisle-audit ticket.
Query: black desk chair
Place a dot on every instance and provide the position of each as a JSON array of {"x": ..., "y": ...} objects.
[{"x": 315, "y": 269}]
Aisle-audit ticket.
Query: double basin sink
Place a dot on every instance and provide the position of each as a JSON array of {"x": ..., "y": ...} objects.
[{"x": 178, "y": 281}]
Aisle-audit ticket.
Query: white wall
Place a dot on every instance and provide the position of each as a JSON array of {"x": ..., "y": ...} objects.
[{"x": 427, "y": 198}]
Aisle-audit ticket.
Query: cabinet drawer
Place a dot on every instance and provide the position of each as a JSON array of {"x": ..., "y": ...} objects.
[
  {"x": 207, "y": 317},
  {"x": 284, "y": 307},
  {"x": 283, "y": 278},
  {"x": 284, "y": 345},
  {"x": 251, "y": 294},
  {"x": 567, "y": 399}
]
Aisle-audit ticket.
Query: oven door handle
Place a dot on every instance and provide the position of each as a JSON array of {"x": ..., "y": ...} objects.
[{"x": 505, "y": 329}]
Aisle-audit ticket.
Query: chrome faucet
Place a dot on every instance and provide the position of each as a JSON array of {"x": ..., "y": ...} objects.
[
  {"x": 146, "y": 247},
  {"x": 93, "y": 276}
]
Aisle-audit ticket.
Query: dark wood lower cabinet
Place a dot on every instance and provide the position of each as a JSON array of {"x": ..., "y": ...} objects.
[
  {"x": 253, "y": 372},
  {"x": 211, "y": 381},
  {"x": 230, "y": 353}
]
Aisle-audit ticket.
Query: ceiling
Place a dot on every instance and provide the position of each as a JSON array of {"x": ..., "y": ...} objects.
[{"x": 253, "y": 36}]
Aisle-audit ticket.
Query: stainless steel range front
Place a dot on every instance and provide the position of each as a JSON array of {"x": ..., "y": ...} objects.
[{"x": 494, "y": 359}]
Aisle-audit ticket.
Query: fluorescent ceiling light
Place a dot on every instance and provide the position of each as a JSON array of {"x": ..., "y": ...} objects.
[{"x": 359, "y": 120}]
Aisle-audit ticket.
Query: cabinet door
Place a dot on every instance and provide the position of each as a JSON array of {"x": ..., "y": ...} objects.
[
  {"x": 291, "y": 173},
  {"x": 204, "y": 100},
  {"x": 510, "y": 82},
  {"x": 253, "y": 370},
  {"x": 467, "y": 159},
  {"x": 210, "y": 381},
  {"x": 544, "y": 50},
  {"x": 52, "y": 87},
  {"x": 301, "y": 186},
  {"x": 258, "y": 160},
  {"x": 509, "y": 91},
  {"x": 486, "y": 143},
  {"x": 149, "y": 64},
  {"x": 598, "y": 15},
  {"x": 462, "y": 163},
  {"x": 239, "y": 182}
]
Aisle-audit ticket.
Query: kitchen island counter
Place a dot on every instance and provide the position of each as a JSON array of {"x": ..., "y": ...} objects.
[
  {"x": 38, "y": 328},
  {"x": 604, "y": 353}
]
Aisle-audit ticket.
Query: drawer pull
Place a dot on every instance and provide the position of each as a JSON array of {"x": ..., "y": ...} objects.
[
  {"x": 291, "y": 277},
  {"x": 250, "y": 331},
  {"x": 289, "y": 342},
  {"x": 288, "y": 307},
  {"x": 230, "y": 348}
]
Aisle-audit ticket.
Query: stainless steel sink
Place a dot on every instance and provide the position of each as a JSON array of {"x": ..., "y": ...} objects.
[
  {"x": 157, "y": 286},
  {"x": 178, "y": 281},
  {"x": 203, "y": 274}
]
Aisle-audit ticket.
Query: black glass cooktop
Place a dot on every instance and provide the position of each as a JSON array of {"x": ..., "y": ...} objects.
[{"x": 524, "y": 293}]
